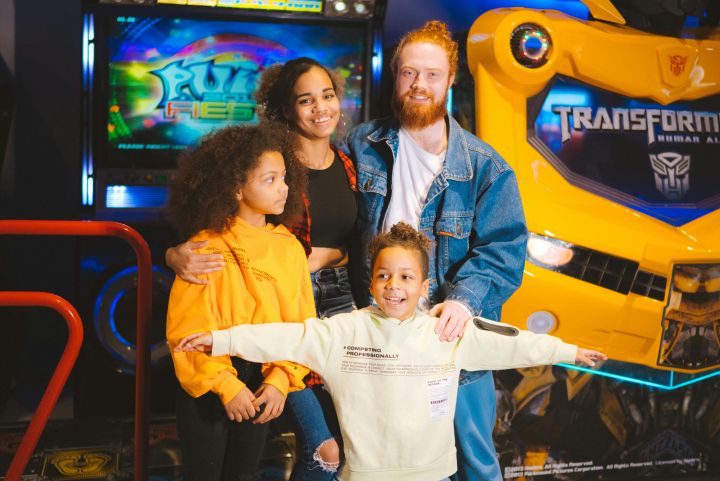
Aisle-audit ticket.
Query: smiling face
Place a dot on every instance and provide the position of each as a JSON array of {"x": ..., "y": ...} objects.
[
  {"x": 398, "y": 281},
  {"x": 421, "y": 84},
  {"x": 265, "y": 191},
  {"x": 315, "y": 106}
]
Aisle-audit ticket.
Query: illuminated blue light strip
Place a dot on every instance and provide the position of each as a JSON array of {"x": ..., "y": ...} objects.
[
  {"x": 377, "y": 64},
  {"x": 88, "y": 61},
  {"x": 693, "y": 381},
  {"x": 136, "y": 196},
  {"x": 85, "y": 42},
  {"x": 90, "y": 184},
  {"x": 668, "y": 387},
  {"x": 449, "y": 102},
  {"x": 84, "y": 185}
]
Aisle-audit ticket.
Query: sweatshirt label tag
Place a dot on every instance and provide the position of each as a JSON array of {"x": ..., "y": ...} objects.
[{"x": 439, "y": 395}]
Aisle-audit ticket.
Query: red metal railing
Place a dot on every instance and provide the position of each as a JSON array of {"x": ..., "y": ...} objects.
[
  {"x": 144, "y": 313},
  {"x": 59, "y": 377}
]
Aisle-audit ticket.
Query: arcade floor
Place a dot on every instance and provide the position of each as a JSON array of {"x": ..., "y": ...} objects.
[{"x": 103, "y": 450}]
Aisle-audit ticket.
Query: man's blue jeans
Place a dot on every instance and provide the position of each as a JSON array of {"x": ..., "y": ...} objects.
[{"x": 474, "y": 423}]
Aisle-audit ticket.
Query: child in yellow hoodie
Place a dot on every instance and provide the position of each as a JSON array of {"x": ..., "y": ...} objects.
[{"x": 225, "y": 193}]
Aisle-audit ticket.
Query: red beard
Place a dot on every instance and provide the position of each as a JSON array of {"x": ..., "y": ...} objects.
[{"x": 415, "y": 117}]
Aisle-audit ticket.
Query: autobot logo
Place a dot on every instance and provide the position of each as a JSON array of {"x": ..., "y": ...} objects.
[
  {"x": 677, "y": 64},
  {"x": 672, "y": 174},
  {"x": 206, "y": 90}
]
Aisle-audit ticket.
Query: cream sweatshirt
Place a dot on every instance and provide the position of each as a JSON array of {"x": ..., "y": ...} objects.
[{"x": 393, "y": 383}]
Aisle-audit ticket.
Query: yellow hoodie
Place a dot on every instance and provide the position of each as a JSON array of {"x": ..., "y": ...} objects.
[{"x": 265, "y": 278}]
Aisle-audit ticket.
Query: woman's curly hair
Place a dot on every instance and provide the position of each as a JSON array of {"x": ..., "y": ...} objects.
[
  {"x": 274, "y": 93},
  {"x": 204, "y": 192},
  {"x": 405, "y": 236}
]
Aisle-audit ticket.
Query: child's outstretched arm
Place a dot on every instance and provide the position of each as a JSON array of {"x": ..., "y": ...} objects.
[
  {"x": 246, "y": 404},
  {"x": 304, "y": 343},
  {"x": 200, "y": 342},
  {"x": 589, "y": 356},
  {"x": 503, "y": 346}
]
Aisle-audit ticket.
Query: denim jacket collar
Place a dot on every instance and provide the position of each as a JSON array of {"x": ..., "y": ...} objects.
[{"x": 457, "y": 158}]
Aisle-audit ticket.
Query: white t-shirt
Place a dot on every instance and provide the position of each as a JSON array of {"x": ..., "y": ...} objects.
[{"x": 413, "y": 174}]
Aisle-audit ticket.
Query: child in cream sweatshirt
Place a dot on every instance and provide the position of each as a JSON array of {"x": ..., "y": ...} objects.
[{"x": 393, "y": 382}]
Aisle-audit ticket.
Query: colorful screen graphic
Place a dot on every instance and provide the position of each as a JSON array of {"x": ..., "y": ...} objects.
[
  {"x": 659, "y": 159},
  {"x": 290, "y": 5},
  {"x": 173, "y": 80}
]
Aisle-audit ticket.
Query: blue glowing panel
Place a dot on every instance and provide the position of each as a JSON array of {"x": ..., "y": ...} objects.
[
  {"x": 661, "y": 160},
  {"x": 574, "y": 8},
  {"x": 645, "y": 376},
  {"x": 136, "y": 196}
]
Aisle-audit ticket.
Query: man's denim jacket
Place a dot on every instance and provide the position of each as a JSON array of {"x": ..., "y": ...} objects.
[{"x": 473, "y": 215}]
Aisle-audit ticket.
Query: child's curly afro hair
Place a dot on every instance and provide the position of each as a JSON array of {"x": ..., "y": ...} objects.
[
  {"x": 203, "y": 194},
  {"x": 405, "y": 236}
]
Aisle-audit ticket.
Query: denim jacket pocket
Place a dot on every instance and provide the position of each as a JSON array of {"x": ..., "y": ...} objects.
[
  {"x": 455, "y": 224},
  {"x": 453, "y": 237},
  {"x": 371, "y": 183},
  {"x": 373, "y": 189}
]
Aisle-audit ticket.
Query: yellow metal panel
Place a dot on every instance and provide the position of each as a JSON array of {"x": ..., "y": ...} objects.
[{"x": 630, "y": 63}]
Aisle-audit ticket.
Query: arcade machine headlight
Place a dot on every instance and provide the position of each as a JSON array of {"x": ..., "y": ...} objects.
[
  {"x": 691, "y": 325},
  {"x": 589, "y": 265},
  {"x": 548, "y": 252},
  {"x": 530, "y": 45}
]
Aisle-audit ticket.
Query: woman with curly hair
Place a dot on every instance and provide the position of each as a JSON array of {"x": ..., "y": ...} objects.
[
  {"x": 231, "y": 193},
  {"x": 306, "y": 97}
]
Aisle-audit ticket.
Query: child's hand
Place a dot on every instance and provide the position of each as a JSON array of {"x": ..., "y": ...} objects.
[
  {"x": 240, "y": 408},
  {"x": 273, "y": 400},
  {"x": 588, "y": 356},
  {"x": 200, "y": 341}
]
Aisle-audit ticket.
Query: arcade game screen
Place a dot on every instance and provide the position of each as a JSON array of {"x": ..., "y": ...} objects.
[{"x": 172, "y": 80}]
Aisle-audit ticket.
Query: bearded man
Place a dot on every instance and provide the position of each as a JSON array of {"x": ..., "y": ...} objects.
[{"x": 422, "y": 168}]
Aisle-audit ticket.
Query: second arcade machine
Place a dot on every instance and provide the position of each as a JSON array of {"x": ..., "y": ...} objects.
[{"x": 157, "y": 77}]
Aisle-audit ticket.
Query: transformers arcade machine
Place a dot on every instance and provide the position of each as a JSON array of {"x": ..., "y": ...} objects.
[
  {"x": 614, "y": 134},
  {"x": 158, "y": 75}
]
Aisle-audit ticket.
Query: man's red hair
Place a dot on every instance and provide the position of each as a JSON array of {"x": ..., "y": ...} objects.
[{"x": 435, "y": 32}]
